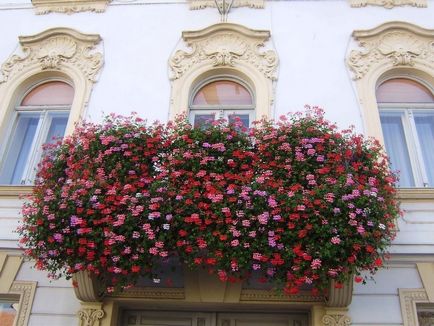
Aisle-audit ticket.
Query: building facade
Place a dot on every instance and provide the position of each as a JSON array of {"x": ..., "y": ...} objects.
[{"x": 368, "y": 63}]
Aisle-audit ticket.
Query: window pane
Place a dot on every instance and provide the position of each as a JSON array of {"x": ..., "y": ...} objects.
[
  {"x": 402, "y": 90},
  {"x": 242, "y": 118},
  {"x": 202, "y": 120},
  {"x": 7, "y": 313},
  {"x": 396, "y": 147},
  {"x": 51, "y": 93},
  {"x": 57, "y": 126},
  {"x": 19, "y": 150},
  {"x": 223, "y": 92},
  {"x": 425, "y": 131}
]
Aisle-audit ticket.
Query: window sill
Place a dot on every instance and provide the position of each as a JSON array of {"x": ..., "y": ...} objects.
[
  {"x": 15, "y": 190},
  {"x": 416, "y": 194}
]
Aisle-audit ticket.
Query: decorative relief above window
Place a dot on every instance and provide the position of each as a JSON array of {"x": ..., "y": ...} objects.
[
  {"x": 201, "y": 4},
  {"x": 393, "y": 44},
  {"x": 225, "y": 45},
  {"x": 224, "y": 50},
  {"x": 44, "y": 89},
  {"x": 391, "y": 50},
  {"x": 69, "y": 6},
  {"x": 389, "y": 4},
  {"x": 58, "y": 49}
]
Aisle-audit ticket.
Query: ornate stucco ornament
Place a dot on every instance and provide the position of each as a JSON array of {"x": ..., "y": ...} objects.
[
  {"x": 225, "y": 45},
  {"x": 56, "y": 49},
  {"x": 201, "y": 4},
  {"x": 69, "y": 6},
  {"x": 336, "y": 320},
  {"x": 396, "y": 44},
  {"x": 90, "y": 317},
  {"x": 389, "y": 4}
]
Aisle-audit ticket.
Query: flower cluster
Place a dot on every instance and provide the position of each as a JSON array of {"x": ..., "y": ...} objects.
[{"x": 295, "y": 201}]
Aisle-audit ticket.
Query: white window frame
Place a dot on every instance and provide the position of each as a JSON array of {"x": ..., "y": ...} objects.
[
  {"x": 45, "y": 114},
  {"x": 406, "y": 111},
  {"x": 221, "y": 111}
]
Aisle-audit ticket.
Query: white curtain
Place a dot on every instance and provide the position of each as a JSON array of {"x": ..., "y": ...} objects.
[
  {"x": 396, "y": 147},
  {"x": 425, "y": 131}
]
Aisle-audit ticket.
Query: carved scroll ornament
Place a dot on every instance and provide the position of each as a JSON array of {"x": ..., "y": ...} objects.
[
  {"x": 55, "y": 49},
  {"x": 201, "y": 4},
  {"x": 90, "y": 317},
  {"x": 225, "y": 45},
  {"x": 389, "y": 4},
  {"x": 395, "y": 44},
  {"x": 336, "y": 320},
  {"x": 69, "y": 6}
]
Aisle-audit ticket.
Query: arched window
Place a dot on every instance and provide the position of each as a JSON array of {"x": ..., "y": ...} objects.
[
  {"x": 221, "y": 99},
  {"x": 407, "y": 120},
  {"x": 40, "y": 117}
]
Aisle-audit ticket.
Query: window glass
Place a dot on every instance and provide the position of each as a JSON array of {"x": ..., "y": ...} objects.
[
  {"x": 407, "y": 120},
  {"x": 425, "y": 128},
  {"x": 51, "y": 93},
  {"x": 202, "y": 120},
  {"x": 402, "y": 90},
  {"x": 397, "y": 148},
  {"x": 41, "y": 118},
  {"x": 8, "y": 311},
  {"x": 223, "y": 92},
  {"x": 222, "y": 99}
]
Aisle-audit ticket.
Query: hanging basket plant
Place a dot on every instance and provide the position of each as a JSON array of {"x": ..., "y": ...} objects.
[{"x": 294, "y": 201}]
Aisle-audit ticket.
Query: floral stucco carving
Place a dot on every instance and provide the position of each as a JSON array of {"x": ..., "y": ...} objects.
[
  {"x": 69, "y": 6},
  {"x": 336, "y": 320},
  {"x": 408, "y": 299},
  {"x": 56, "y": 49},
  {"x": 201, "y": 4},
  {"x": 225, "y": 45},
  {"x": 26, "y": 290},
  {"x": 388, "y": 3},
  {"x": 90, "y": 317},
  {"x": 395, "y": 44}
]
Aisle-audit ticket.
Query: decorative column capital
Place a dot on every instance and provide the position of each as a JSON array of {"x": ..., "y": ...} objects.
[
  {"x": 336, "y": 318},
  {"x": 90, "y": 314}
]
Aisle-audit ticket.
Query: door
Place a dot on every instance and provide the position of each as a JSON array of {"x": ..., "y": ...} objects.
[{"x": 172, "y": 318}]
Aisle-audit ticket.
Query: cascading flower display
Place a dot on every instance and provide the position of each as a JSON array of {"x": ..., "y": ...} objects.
[{"x": 296, "y": 202}]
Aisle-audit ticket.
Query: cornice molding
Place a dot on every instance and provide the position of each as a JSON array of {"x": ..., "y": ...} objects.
[
  {"x": 394, "y": 44},
  {"x": 15, "y": 191},
  {"x": 389, "y": 4},
  {"x": 201, "y": 4},
  {"x": 416, "y": 194},
  {"x": 55, "y": 49},
  {"x": 69, "y": 6},
  {"x": 152, "y": 293},
  {"x": 264, "y": 295}
]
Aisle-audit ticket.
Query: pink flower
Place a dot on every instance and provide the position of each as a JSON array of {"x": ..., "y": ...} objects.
[
  {"x": 335, "y": 240},
  {"x": 316, "y": 263}
]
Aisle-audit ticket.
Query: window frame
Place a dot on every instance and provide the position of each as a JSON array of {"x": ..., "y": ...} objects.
[
  {"x": 44, "y": 114},
  {"x": 221, "y": 111},
  {"x": 407, "y": 111}
]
